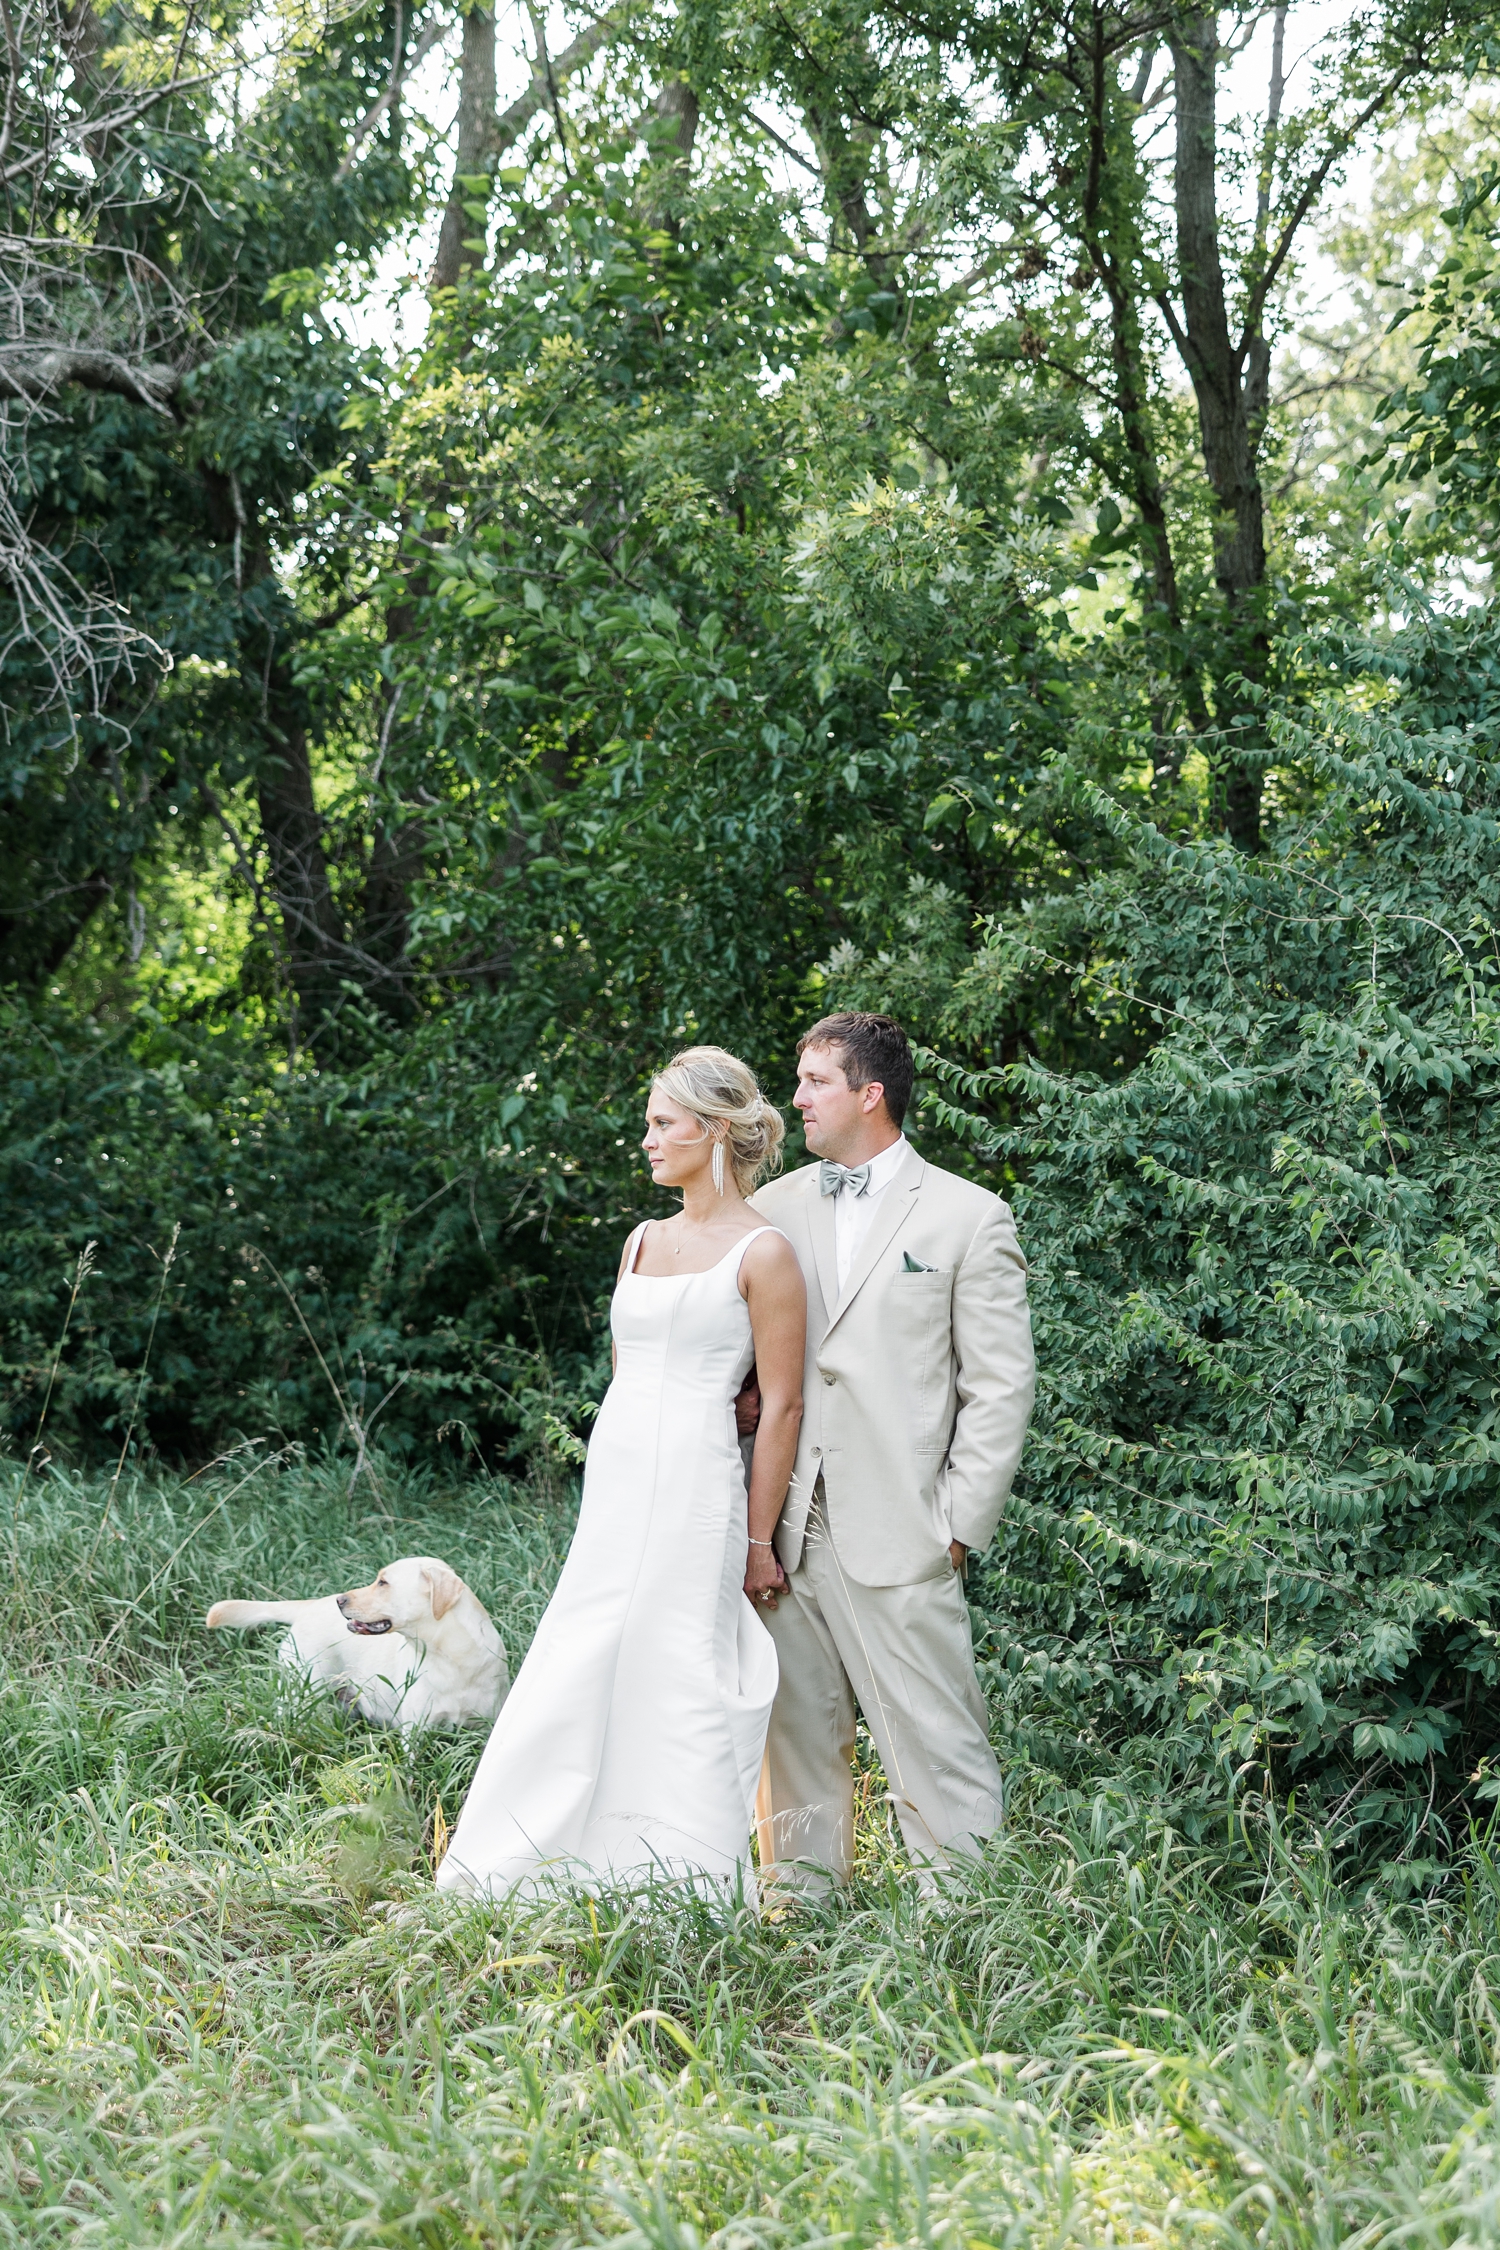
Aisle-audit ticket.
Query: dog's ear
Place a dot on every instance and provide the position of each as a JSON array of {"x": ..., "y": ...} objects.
[{"x": 445, "y": 1586}]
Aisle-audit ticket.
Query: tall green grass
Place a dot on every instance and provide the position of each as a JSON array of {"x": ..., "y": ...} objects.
[{"x": 233, "y": 2011}]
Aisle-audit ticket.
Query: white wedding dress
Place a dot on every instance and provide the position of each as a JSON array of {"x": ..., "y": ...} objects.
[{"x": 631, "y": 1742}]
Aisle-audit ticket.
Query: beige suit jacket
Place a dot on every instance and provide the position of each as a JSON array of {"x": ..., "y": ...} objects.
[{"x": 918, "y": 1386}]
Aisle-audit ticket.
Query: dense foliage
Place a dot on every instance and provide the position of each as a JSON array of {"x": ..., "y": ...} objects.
[{"x": 186, "y": 1261}]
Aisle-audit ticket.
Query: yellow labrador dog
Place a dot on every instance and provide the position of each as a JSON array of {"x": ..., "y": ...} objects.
[{"x": 415, "y": 1649}]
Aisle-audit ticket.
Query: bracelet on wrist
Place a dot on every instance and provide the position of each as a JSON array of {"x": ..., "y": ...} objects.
[{"x": 762, "y": 1542}]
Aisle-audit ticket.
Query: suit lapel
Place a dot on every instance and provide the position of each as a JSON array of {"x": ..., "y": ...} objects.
[
  {"x": 891, "y": 1213},
  {"x": 825, "y": 1252}
]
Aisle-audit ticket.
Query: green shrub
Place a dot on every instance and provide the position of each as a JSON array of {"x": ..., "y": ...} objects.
[
  {"x": 384, "y": 1250},
  {"x": 1256, "y": 1536}
]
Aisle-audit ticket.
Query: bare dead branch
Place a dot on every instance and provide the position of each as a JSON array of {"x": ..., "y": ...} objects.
[
  {"x": 13, "y": 78},
  {"x": 32, "y": 372}
]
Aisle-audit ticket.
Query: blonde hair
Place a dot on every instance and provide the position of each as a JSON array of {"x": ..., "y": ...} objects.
[{"x": 721, "y": 1092}]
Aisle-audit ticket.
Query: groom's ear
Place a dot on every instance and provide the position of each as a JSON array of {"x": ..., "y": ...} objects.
[{"x": 872, "y": 1096}]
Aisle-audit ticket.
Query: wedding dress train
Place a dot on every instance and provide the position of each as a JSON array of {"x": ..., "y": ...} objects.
[{"x": 631, "y": 1742}]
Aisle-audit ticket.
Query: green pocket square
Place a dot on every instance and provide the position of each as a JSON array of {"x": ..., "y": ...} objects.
[{"x": 909, "y": 1264}]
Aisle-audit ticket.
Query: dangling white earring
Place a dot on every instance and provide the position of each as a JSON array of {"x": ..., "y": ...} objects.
[{"x": 717, "y": 1166}]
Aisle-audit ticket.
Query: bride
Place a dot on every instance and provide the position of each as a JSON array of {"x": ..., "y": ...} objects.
[{"x": 631, "y": 1742}]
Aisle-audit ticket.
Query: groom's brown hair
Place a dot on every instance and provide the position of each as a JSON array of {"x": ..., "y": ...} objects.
[{"x": 871, "y": 1050}]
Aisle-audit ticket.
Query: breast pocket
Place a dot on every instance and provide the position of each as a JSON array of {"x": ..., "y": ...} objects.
[
  {"x": 923, "y": 1289},
  {"x": 918, "y": 1307}
]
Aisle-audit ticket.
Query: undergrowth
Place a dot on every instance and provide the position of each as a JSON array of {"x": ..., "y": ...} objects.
[{"x": 232, "y": 2010}]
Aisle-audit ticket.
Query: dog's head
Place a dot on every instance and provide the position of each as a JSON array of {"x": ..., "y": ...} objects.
[{"x": 409, "y": 1597}]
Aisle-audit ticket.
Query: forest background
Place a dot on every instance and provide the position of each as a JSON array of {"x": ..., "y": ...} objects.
[{"x": 986, "y": 513}]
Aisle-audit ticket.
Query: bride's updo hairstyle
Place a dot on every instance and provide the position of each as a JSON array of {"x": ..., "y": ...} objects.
[{"x": 721, "y": 1092}]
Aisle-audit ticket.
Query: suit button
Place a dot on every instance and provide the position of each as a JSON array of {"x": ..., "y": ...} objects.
[{"x": 829, "y": 1379}]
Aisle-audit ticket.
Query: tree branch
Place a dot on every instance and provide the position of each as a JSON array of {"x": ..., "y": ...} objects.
[
  {"x": 483, "y": 141},
  {"x": 104, "y": 128},
  {"x": 37, "y": 373},
  {"x": 13, "y": 77},
  {"x": 400, "y": 72},
  {"x": 544, "y": 64},
  {"x": 1313, "y": 188},
  {"x": 785, "y": 146},
  {"x": 513, "y": 121},
  {"x": 1273, "y": 121}
]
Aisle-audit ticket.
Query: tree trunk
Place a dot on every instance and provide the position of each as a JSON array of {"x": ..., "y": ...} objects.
[
  {"x": 1116, "y": 263},
  {"x": 1140, "y": 444},
  {"x": 845, "y": 157},
  {"x": 846, "y": 146},
  {"x": 1231, "y": 390},
  {"x": 293, "y": 831},
  {"x": 676, "y": 104},
  {"x": 396, "y": 855},
  {"x": 678, "y": 101},
  {"x": 385, "y": 923},
  {"x": 483, "y": 137},
  {"x": 315, "y": 955},
  {"x": 476, "y": 151}
]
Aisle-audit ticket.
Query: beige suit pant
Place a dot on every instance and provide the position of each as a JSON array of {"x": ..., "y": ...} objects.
[{"x": 905, "y": 1655}]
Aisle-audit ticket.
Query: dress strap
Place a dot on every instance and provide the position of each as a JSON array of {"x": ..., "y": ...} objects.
[
  {"x": 633, "y": 1247},
  {"x": 745, "y": 1244}
]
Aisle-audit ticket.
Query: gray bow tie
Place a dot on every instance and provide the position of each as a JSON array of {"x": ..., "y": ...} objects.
[{"x": 834, "y": 1178}]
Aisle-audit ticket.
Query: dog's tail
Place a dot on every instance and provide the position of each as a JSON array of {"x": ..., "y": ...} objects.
[{"x": 256, "y": 1613}]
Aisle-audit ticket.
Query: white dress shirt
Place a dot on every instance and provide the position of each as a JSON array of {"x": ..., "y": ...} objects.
[{"x": 854, "y": 1214}]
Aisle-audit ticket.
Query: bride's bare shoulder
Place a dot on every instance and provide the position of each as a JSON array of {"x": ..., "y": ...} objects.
[{"x": 771, "y": 1257}]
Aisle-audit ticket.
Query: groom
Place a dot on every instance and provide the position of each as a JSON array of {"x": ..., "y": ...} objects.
[{"x": 916, "y": 1394}]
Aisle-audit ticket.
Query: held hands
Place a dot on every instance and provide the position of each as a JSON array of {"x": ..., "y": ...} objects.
[
  {"x": 764, "y": 1576},
  {"x": 747, "y": 1406}
]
